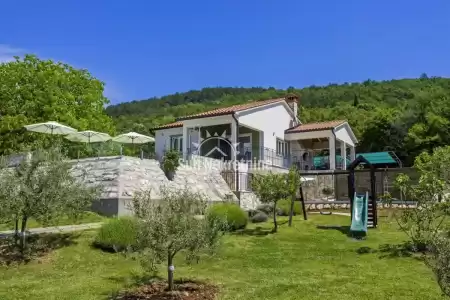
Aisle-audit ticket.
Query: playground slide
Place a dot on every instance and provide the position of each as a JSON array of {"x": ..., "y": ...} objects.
[{"x": 359, "y": 215}]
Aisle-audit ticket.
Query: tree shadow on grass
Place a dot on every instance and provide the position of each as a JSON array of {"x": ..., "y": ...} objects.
[
  {"x": 390, "y": 250},
  {"x": 258, "y": 231},
  {"x": 134, "y": 280},
  {"x": 342, "y": 229},
  {"x": 38, "y": 245}
]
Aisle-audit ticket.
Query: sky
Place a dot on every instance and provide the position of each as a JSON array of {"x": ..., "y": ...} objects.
[{"x": 142, "y": 49}]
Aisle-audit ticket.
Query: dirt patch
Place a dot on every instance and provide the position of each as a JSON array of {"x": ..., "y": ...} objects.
[{"x": 184, "y": 290}]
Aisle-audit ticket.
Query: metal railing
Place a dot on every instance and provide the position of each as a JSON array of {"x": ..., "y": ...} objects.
[
  {"x": 262, "y": 156},
  {"x": 238, "y": 181},
  {"x": 82, "y": 151}
]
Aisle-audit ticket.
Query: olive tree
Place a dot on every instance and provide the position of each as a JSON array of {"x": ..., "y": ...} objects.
[
  {"x": 293, "y": 183},
  {"x": 8, "y": 194},
  {"x": 439, "y": 261},
  {"x": 43, "y": 188},
  {"x": 270, "y": 188},
  {"x": 172, "y": 224},
  {"x": 424, "y": 222}
]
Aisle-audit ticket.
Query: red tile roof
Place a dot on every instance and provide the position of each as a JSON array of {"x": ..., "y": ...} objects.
[
  {"x": 220, "y": 112},
  {"x": 231, "y": 109},
  {"x": 315, "y": 126},
  {"x": 170, "y": 125}
]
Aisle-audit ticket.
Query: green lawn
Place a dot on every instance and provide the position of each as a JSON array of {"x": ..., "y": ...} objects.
[
  {"x": 87, "y": 217},
  {"x": 302, "y": 262}
]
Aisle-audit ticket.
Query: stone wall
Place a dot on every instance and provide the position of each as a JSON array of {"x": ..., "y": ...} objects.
[
  {"x": 103, "y": 171},
  {"x": 121, "y": 177},
  {"x": 248, "y": 200},
  {"x": 332, "y": 205},
  {"x": 207, "y": 181}
]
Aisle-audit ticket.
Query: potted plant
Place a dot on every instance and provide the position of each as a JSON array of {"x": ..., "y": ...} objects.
[{"x": 170, "y": 163}]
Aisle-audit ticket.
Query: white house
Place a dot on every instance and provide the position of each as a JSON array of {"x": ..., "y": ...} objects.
[{"x": 261, "y": 131}]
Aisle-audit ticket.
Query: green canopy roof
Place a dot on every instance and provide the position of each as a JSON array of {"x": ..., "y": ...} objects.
[
  {"x": 379, "y": 158},
  {"x": 374, "y": 158}
]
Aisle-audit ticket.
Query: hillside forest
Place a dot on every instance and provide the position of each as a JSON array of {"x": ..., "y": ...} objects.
[{"x": 406, "y": 116}]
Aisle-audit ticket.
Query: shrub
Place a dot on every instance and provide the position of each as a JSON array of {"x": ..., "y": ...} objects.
[
  {"x": 234, "y": 217},
  {"x": 439, "y": 260},
  {"x": 260, "y": 217},
  {"x": 119, "y": 234},
  {"x": 284, "y": 207},
  {"x": 252, "y": 212},
  {"x": 267, "y": 208}
]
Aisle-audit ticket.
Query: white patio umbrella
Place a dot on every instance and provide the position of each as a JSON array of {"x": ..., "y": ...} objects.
[
  {"x": 50, "y": 127},
  {"x": 88, "y": 136},
  {"x": 133, "y": 138}
]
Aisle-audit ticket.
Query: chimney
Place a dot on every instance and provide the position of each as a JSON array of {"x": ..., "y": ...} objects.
[{"x": 292, "y": 101}]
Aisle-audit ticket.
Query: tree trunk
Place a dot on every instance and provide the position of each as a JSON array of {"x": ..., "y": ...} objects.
[
  {"x": 16, "y": 230},
  {"x": 169, "y": 270},
  {"x": 275, "y": 225},
  {"x": 291, "y": 212},
  {"x": 23, "y": 238}
]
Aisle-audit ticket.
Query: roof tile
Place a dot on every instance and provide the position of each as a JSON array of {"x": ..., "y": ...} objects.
[
  {"x": 231, "y": 109},
  {"x": 220, "y": 112},
  {"x": 315, "y": 126},
  {"x": 170, "y": 125}
]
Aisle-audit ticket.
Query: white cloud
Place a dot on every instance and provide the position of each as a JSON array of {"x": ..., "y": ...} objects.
[{"x": 7, "y": 53}]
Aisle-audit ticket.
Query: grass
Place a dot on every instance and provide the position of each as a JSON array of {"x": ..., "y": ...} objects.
[
  {"x": 86, "y": 217},
  {"x": 302, "y": 262}
]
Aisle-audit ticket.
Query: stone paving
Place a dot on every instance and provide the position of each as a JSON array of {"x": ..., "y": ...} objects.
[{"x": 57, "y": 229}]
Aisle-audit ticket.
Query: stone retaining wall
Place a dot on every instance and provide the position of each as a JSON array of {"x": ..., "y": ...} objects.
[
  {"x": 331, "y": 205},
  {"x": 121, "y": 177},
  {"x": 248, "y": 200}
]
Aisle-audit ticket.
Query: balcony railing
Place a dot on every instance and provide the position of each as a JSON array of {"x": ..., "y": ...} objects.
[{"x": 262, "y": 156}]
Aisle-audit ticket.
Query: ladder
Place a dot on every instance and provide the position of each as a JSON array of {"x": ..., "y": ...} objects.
[{"x": 370, "y": 215}]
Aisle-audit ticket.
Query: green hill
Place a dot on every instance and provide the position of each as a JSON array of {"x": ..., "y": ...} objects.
[{"x": 406, "y": 116}]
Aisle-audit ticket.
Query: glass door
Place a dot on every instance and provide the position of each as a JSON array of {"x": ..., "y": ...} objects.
[
  {"x": 245, "y": 147},
  {"x": 176, "y": 143}
]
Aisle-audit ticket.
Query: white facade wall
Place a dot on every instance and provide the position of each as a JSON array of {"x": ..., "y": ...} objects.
[
  {"x": 272, "y": 120},
  {"x": 343, "y": 135},
  {"x": 162, "y": 139}
]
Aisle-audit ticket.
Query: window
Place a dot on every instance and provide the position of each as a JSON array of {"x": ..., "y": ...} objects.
[
  {"x": 176, "y": 143},
  {"x": 282, "y": 147}
]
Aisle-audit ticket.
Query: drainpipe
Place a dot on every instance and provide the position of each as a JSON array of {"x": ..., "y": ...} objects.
[{"x": 237, "y": 171}]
